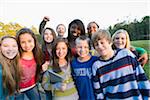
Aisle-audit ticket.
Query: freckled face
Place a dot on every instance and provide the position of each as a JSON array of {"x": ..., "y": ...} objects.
[{"x": 82, "y": 48}]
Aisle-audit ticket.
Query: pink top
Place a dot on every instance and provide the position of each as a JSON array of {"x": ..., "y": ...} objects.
[{"x": 28, "y": 68}]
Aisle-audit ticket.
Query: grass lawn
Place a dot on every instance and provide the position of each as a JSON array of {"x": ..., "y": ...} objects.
[{"x": 146, "y": 45}]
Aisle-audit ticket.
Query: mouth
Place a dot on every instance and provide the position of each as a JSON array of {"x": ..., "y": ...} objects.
[
  {"x": 74, "y": 34},
  {"x": 27, "y": 49},
  {"x": 10, "y": 53}
]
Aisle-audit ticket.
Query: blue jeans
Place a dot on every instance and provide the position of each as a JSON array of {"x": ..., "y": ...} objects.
[
  {"x": 48, "y": 95},
  {"x": 31, "y": 94}
]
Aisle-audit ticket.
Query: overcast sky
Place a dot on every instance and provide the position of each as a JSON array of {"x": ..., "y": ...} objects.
[{"x": 104, "y": 12}]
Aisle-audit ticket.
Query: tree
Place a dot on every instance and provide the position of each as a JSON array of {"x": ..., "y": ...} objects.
[{"x": 137, "y": 30}]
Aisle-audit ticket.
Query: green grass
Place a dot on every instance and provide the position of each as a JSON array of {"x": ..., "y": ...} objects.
[
  {"x": 142, "y": 43},
  {"x": 146, "y": 45}
]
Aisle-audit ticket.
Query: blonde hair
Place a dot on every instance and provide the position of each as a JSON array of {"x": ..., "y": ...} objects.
[
  {"x": 101, "y": 34},
  {"x": 127, "y": 37},
  {"x": 10, "y": 70}
]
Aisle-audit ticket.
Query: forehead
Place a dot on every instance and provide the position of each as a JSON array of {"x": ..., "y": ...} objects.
[
  {"x": 80, "y": 42},
  {"x": 120, "y": 35},
  {"x": 48, "y": 31},
  {"x": 92, "y": 24},
  {"x": 8, "y": 41},
  {"x": 74, "y": 25},
  {"x": 61, "y": 44},
  {"x": 61, "y": 26},
  {"x": 25, "y": 36}
]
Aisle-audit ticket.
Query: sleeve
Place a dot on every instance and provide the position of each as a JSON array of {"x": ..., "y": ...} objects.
[
  {"x": 42, "y": 25},
  {"x": 47, "y": 56},
  {"x": 142, "y": 80},
  {"x": 1, "y": 83},
  {"x": 98, "y": 91},
  {"x": 140, "y": 50},
  {"x": 46, "y": 82},
  {"x": 72, "y": 68}
]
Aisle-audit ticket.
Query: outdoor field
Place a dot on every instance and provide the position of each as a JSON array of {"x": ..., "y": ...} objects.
[{"x": 146, "y": 45}]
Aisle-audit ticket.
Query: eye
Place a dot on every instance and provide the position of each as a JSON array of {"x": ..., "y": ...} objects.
[
  {"x": 64, "y": 48},
  {"x": 94, "y": 27},
  {"x": 14, "y": 45},
  {"x": 86, "y": 47},
  {"x": 5, "y": 45},
  {"x": 122, "y": 38},
  {"x": 116, "y": 38},
  {"x": 29, "y": 41},
  {"x": 22, "y": 42},
  {"x": 45, "y": 33}
]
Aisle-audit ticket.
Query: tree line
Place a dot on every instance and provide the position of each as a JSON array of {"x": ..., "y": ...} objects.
[{"x": 138, "y": 30}]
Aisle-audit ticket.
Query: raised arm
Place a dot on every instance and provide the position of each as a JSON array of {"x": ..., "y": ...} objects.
[{"x": 43, "y": 23}]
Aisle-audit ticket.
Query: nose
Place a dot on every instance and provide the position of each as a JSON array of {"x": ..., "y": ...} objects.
[
  {"x": 82, "y": 49},
  {"x": 27, "y": 45},
  {"x": 60, "y": 50},
  {"x": 10, "y": 48},
  {"x": 48, "y": 35},
  {"x": 119, "y": 39}
]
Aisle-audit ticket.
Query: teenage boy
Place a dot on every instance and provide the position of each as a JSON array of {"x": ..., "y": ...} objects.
[{"x": 117, "y": 75}]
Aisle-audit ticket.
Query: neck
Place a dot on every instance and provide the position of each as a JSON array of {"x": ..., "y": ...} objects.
[
  {"x": 27, "y": 55},
  {"x": 62, "y": 62},
  {"x": 83, "y": 59},
  {"x": 109, "y": 55}
]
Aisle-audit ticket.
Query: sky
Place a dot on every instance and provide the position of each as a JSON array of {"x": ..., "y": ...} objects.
[{"x": 104, "y": 12}]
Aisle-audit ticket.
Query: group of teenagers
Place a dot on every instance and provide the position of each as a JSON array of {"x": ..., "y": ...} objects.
[{"x": 94, "y": 65}]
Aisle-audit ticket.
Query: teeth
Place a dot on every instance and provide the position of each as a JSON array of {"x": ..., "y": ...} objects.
[{"x": 10, "y": 53}]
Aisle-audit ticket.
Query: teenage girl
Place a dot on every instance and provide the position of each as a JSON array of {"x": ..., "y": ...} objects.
[{"x": 30, "y": 64}]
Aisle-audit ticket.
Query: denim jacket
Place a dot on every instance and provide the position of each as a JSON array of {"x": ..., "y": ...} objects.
[{"x": 3, "y": 94}]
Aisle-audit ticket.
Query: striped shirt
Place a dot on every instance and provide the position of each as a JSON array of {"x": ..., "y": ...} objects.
[{"x": 120, "y": 77}]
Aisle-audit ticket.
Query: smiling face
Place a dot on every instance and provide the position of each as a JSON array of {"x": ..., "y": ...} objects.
[
  {"x": 27, "y": 42},
  {"x": 82, "y": 48},
  {"x": 48, "y": 36},
  {"x": 61, "y": 30},
  {"x": 103, "y": 47},
  {"x": 92, "y": 28},
  {"x": 61, "y": 50},
  {"x": 120, "y": 40},
  {"x": 9, "y": 48},
  {"x": 74, "y": 30}
]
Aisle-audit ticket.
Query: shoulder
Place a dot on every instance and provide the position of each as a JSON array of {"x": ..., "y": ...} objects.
[
  {"x": 125, "y": 52},
  {"x": 97, "y": 64},
  {"x": 74, "y": 60},
  {"x": 94, "y": 58}
]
